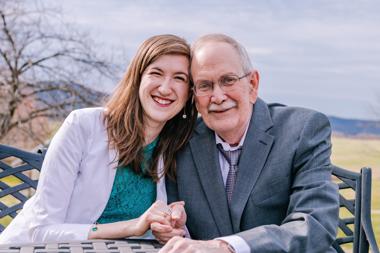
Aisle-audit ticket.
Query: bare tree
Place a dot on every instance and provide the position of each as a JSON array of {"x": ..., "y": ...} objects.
[{"x": 46, "y": 68}]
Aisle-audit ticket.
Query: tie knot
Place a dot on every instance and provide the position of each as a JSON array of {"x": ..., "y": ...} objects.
[{"x": 232, "y": 156}]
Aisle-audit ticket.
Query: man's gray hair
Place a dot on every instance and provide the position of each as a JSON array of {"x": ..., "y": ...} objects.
[{"x": 218, "y": 37}]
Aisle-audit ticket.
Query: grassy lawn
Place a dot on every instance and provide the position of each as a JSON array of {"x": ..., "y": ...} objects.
[{"x": 357, "y": 153}]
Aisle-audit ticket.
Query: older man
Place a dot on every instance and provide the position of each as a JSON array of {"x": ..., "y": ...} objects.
[{"x": 255, "y": 177}]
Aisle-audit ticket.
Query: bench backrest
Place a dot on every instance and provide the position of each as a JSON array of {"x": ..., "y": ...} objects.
[
  {"x": 355, "y": 226},
  {"x": 16, "y": 180}
]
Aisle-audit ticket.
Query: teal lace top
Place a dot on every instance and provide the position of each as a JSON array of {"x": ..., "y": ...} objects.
[{"x": 131, "y": 194}]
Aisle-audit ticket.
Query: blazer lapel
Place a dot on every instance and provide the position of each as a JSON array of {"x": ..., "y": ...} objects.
[
  {"x": 256, "y": 148},
  {"x": 203, "y": 148}
]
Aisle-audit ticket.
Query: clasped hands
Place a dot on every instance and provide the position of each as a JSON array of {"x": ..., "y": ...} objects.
[{"x": 167, "y": 223}]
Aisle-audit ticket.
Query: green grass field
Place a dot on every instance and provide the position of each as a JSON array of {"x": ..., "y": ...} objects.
[{"x": 348, "y": 153}]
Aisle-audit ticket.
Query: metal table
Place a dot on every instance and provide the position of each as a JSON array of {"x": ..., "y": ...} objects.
[{"x": 90, "y": 246}]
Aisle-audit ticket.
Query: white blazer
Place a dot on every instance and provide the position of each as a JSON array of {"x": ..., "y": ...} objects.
[{"x": 74, "y": 186}]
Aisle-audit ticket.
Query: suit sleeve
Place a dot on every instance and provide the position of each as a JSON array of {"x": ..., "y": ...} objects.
[
  {"x": 57, "y": 181},
  {"x": 312, "y": 216}
]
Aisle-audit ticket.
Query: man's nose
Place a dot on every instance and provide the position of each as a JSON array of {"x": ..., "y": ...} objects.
[{"x": 218, "y": 95}]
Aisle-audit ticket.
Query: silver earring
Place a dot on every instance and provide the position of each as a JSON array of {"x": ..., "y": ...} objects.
[{"x": 184, "y": 116}]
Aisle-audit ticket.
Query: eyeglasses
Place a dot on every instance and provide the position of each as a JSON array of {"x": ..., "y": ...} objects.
[{"x": 226, "y": 83}]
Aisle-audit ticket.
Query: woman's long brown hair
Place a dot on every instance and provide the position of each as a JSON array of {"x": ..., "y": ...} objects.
[{"x": 124, "y": 112}]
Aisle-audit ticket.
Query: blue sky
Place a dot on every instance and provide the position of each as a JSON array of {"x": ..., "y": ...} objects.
[{"x": 320, "y": 54}]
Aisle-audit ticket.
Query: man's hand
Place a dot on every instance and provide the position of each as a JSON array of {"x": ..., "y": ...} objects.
[
  {"x": 178, "y": 218},
  {"x": 184, "y": 245}
]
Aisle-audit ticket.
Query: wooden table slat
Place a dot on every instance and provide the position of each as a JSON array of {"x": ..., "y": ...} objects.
[
  {"x": 99, "y": 246},
  {"x": 89, "y": 246},
  {"x": 52, "y": 246},
  {"x": 77, "y": 249},
  {"x": 28, "y": 249},
  {"x": 125, "y": 249}
]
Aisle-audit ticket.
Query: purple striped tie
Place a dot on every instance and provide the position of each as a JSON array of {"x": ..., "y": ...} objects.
[{"x": 232, "y": 158}]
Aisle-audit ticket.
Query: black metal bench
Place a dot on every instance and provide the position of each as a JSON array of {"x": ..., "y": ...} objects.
[
  {"x": 15, "y": 184},
  {"x": 355, "y": 224}
]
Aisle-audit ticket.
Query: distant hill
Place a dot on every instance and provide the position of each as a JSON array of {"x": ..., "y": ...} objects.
[
  {"x": 355, "y": 128},
  {"x": 80, "y": 96},
  {"x": 89, "y": 97}
]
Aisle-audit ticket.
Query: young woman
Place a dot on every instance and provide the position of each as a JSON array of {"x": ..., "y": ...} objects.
[{"x": 105, "y": 167}]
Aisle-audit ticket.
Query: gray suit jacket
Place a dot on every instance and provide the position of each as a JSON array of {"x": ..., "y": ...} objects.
[{"x": 283, "y": 201}]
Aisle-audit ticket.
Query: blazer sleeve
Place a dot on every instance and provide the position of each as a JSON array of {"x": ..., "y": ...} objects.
[
  {"x": 57, "y": 180},
  {"x": 312, "y": 216}
]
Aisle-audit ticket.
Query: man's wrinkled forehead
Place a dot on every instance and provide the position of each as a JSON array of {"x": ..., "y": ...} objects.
[
  {"x": 213, "y": 55},
  {"x": 209, "y": 45}
]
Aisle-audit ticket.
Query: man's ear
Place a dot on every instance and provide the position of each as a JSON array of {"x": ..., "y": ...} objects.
[{"x": 254, "y": 78}]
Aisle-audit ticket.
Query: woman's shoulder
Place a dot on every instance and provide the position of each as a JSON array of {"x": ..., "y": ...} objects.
[
  {"x": 88, "y": 120},
  {"x": 89, "y": 112},
  {"x": 86, "y": 114}
]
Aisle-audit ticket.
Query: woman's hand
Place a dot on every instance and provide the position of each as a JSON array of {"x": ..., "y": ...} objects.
[
  {"x": 165, "y": 222},
  {"x": 158, "y": 213},
  {"x": 178, "y": 217},
  {"x": 177, "y": 221}
]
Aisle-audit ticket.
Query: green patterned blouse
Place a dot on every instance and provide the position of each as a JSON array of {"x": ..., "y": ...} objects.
[{"x": 131, "y": 194}]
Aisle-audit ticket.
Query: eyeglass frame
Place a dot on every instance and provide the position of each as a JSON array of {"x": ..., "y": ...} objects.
[{"x": 221, "y": 86}]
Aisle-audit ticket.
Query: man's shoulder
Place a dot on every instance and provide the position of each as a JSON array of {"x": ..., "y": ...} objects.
[
  {"x": 294, "y": 121},
  {"x": 293, "y": 114}
]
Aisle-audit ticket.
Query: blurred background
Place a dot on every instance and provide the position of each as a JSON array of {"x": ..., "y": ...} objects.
[{"x": 56, "y": 56}]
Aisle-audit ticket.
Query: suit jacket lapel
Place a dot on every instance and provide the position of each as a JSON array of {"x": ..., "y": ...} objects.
[
  {"x": 256, "y": 148},
  {"x": 203, "y": 148}
]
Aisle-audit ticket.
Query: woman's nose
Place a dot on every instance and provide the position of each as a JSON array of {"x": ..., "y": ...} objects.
[{"x": 165, "y": 86}]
